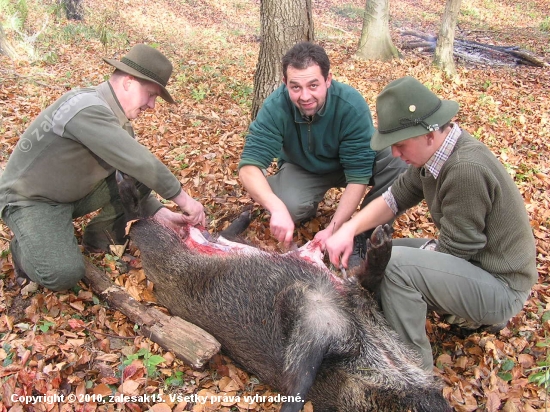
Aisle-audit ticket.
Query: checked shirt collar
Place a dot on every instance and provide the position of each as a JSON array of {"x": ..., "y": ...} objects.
[{"x": 435, "y": 163}]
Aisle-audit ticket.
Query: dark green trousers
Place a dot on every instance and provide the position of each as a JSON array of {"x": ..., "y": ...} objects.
[{"x": 44, "y": 243}]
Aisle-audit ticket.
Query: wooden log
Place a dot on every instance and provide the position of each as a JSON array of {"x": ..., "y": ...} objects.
[
  {"x": 425, "y": 45},
  {"x": 476, "y": 52},
  {"x": 528, "y": 58},
  {"x": 427, "y": 37},
  {"x": 188, "y": 342}
]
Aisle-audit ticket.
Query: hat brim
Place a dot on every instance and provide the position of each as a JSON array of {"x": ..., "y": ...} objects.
[
  {"x": 446, "y": 112},
  {"x": 127, "y": 69}
]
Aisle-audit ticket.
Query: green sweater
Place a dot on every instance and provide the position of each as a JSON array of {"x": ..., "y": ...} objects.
[
  {"x": 73, "y": 145},
  {"x": 337, "y": 139},
  {"x": 478, "y": 210}
]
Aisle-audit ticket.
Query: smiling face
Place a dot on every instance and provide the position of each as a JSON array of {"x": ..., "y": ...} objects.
[
  {"x": 307, "y": 88},
  {"x": 139, "y": 95}
]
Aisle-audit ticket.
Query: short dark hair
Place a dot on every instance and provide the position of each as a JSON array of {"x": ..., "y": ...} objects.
[{"x": 306, "y": 54}]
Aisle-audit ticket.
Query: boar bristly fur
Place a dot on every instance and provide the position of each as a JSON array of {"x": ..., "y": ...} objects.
[{"x": 288, "y": 323}]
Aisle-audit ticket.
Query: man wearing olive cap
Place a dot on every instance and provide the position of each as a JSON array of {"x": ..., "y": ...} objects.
[
  {"x": 64, "y": 167},
  {"x": 482, "y": 266}
]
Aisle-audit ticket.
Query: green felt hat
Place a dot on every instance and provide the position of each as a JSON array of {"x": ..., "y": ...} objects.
[
  {"x": 406, "y": 108},
  {"x": 146, "y": 63}
]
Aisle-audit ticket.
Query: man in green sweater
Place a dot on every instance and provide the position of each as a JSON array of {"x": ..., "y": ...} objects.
[
  {"x": 64, "y": 167},
  {"x": 482, "y": 266},
  {"x": 320, "y": 131}
]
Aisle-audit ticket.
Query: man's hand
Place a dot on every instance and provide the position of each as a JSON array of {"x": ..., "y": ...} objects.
[
  {"x": 194, "y": 211},
  {"x": 324, "y": 234},
  {"x": 282, "y": 226},
  {"x": 171, "y": 219},
  {"x": 340, "y": 245}
]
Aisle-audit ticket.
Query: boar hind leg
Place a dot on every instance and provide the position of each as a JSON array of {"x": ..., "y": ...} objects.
[
  {"x": 379, "y": 248},
  {"x": 237, "y": 227},
  {"x": 314, "y": 327}
]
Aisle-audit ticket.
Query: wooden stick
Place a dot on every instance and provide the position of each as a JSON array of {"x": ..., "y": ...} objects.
[{"x": 188, "y": 342}]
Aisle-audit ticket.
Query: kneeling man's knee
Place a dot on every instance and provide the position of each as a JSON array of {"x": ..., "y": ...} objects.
[{"x": 63, "y": 276}]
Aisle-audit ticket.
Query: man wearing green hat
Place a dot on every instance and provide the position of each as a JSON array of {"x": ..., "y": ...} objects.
[
  {"x": 64, "y": 167},
  {"x": 482, "y": 266}
]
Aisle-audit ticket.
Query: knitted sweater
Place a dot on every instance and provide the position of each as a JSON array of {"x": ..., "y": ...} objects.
[
  {"x": 478, "y": 210},
  {"x": 73, "y": 145},
  {"x": 336, "y": 139}
]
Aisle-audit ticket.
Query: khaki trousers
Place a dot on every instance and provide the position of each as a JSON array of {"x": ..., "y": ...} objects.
[
  {"x": 302, "y": 191},
  {"x": 418, "y": 280}
]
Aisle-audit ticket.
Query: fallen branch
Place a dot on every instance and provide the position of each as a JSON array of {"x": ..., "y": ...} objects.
[
  {"x": 188, "y": 342},
  {"x": 472, "y": 51},
  {"x": 528, "y": 57},
  {"x": 17, "y": 76},
  {"x": 427, "y": 37},
  {"x": 201, "y": 117},
  {"x": 335, "y": 28}
]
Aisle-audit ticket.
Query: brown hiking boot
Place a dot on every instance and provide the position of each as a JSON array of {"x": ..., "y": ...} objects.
[{"x": 463, "y": 327}]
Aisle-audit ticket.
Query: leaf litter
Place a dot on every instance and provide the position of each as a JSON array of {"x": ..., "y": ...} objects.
[{"x": 71, "y": 343}]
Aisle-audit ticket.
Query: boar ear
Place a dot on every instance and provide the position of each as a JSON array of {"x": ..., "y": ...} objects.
[{"x": 129, "y": 195}]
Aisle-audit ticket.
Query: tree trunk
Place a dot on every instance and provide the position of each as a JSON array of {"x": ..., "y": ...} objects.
[
  {"x": 5, "y": 46},
  {"x": 283, "y": 24},
  {"x": 375, "y": 42},
  {"x": 443, "y": 57},
  {"x": 73, "y": 9}
]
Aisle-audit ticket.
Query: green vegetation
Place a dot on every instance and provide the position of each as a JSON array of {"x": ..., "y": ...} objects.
[
  {"x": 149, "y": 360},
  {"x": 7, "y": 348},
  {"x": 199, "y": 93},
  {"x": 505, "y": 367},
  {"x": 16, "y": 12},
  {"x": 541, "y": 373},
  {"x": 176, "y": 379},
  {"x": 44, "y": 325}
]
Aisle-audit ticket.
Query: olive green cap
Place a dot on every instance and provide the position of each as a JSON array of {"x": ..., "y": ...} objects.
[{"x": 406, "y": 108}]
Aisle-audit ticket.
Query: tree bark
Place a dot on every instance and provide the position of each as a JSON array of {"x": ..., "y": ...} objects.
[
  {"x": 73, "y": 9},
  {"x": 375, "y": 42},
  {"x": 283, "y": 24},
  {"x": 5, "y": 46},
  {"x": 443, "y": 57},
  {"x": 187, "y": 341}
]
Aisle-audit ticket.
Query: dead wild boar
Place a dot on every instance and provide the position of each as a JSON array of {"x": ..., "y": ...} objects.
[{"x": 294, "y": 325}]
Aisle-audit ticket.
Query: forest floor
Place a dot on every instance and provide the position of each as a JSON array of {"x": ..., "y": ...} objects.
[{"x": 72, "y": 343}]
